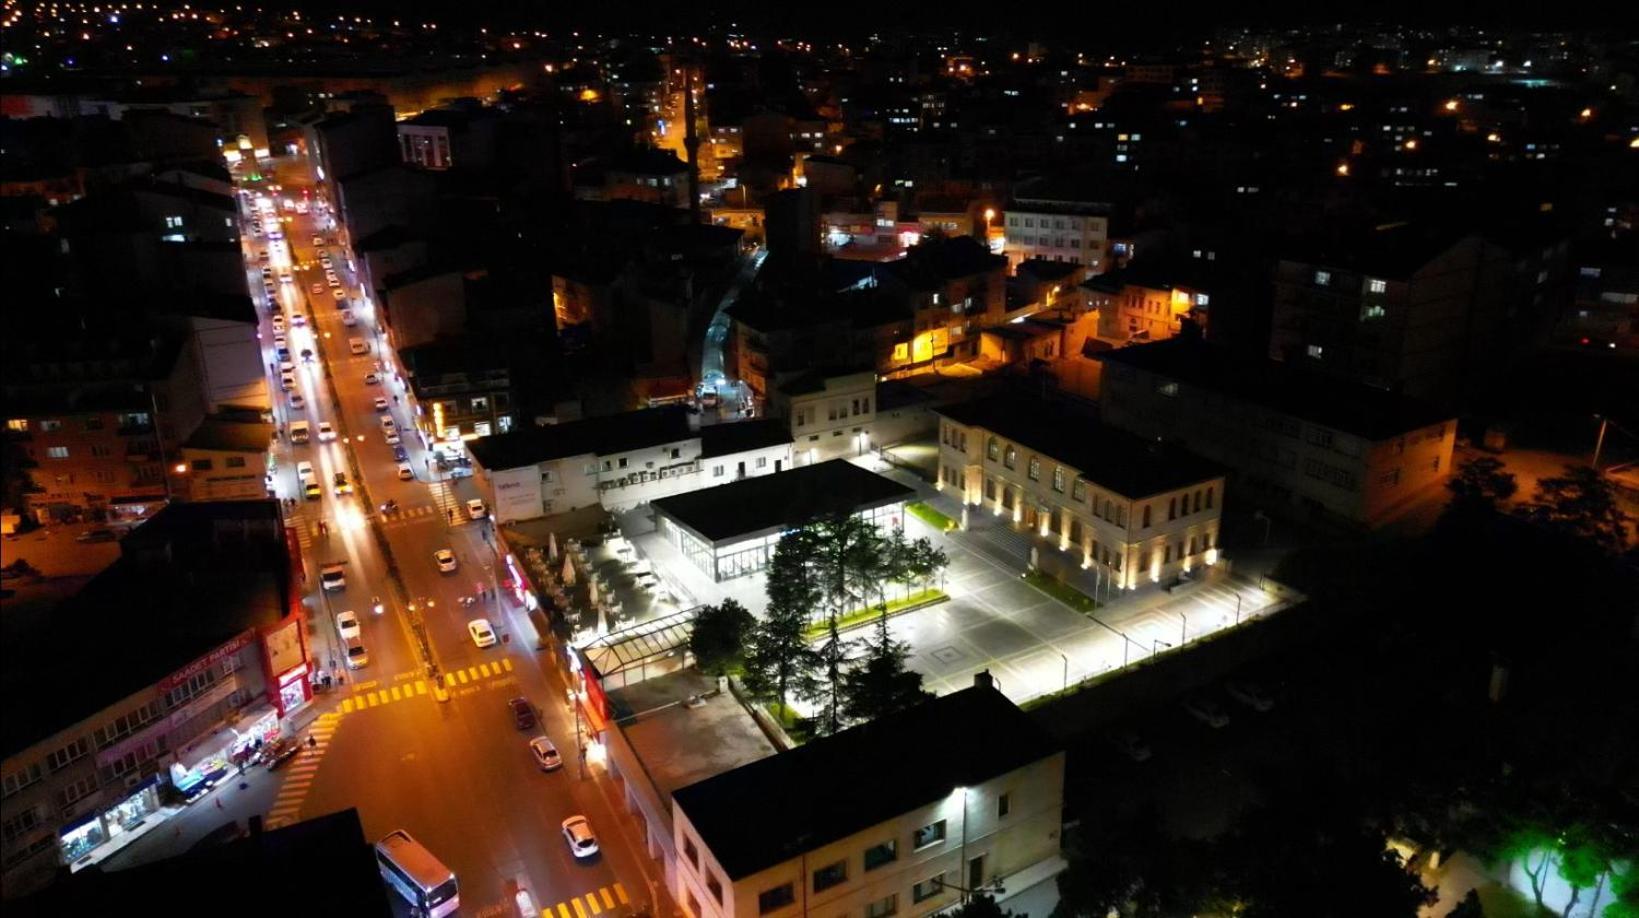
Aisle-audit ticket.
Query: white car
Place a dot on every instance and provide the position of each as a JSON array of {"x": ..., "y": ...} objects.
[
  {"x": 318, "y": 241},
  {"x": 446, "y": 560},
  {"x": 476, "y": 509},
  {"x": 387, "y": 423},
  {"x": 332, "y": 577},
  {"x": 298, "y": 318},
  {"x": 392, "y": 438},
  {"x": 278, "y": 322},
  {"x": 405, "y": 473},
  {"x": 297, "y": 402},
  {"x": 279, "y": 340},
  {"x": 578, "y": 833},
  {"x": 381, "y": 404},
  {"x": 326, "y": 432},
  {"x": 546, "y": 754},
  {"x": 371, "y": 379},
  {"x": 304, "y": 469},
  {"x": 347, "y": 624},
  {"x": 482, "y": 634}
]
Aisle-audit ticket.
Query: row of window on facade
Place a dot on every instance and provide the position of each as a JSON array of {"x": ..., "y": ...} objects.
[
  {"x": 1373, "y": 285},
  {"x": 1058, "y": 223},
  {"x": 134, "y": 420}
]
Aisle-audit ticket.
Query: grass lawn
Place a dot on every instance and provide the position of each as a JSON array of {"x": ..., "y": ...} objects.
[
  {"x": 784, "y": 716},
  {"x": 869, "y": 613},
  {"x": 1062, "y": 592},
  {"x": 931, "y": 516}
]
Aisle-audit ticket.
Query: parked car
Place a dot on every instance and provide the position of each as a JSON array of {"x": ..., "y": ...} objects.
[
  {"x": 523, "y": 714},
  {"x": 546, "y": 754},
  {"x": 97, "y": 535},
  {"x": 347, "y": 624},
  {"x": 326, "y": 432},
  {"x": 333, "y": 577},
  {"x": 371, "y": 379},
  {"x": 280, "y": 751},
  {"x": 476, "y": 509},
  {"x": 405, "y": 473},
  {"x": 1249, "y": 694},
  {"x": 482, "y": 634},
  {"x": 1206, "y": 711},
  {"x": 400, "y": 453},
  {"x": 381, "y": 403},
  {"x": 578, "y": 833},
  {"x": 297, "y": 402},
  {"x": 317, "y": 288}
]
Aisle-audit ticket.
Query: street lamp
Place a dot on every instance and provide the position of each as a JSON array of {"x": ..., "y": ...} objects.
[
  {"x": 1066, "y": 670},
  {"x": 1155, "y": 649},
  {"x": 1237, "y": 607}
]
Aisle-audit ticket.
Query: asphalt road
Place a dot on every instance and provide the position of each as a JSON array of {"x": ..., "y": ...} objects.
[{"x": 456, "y": 774}]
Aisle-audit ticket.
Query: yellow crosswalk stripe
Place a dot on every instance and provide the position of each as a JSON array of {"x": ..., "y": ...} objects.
[
  {"x": 395, "y": 694},
  {"x": 473, "y": 672},
  {"x": 506, "y": 665},
  {"x": 449, "y": 679},
  {"x": 563, "y": 910},
  {"x": 483, "y": 669},
  {"x": 421, "y": 686},
  {"x": 579, "y": 912},
  {"x": 347, "y": 706},
  {"x": 373, "y": 701},
  {"x": 592, "y": 903},
  {"x": 462, "y": 675},
  {"x": 608, "y": 901},
  {"x": 621, "y": 892}
]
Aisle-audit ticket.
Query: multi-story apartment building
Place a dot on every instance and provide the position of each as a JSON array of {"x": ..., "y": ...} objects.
[
  {"x": 463, "y": 389},
  {"x": 226, "y": 458},
  {"x": 1430, "y": 314},
  {"x": 952, "y": 287},
  {"x": 96, "y": 421},
  {"x": 1058, "y": 225},
  {"x": 620, "y": 461},
  {"x": 197, "y": 627},
  {"x": 1143, "y": 302},
  {"x": 959, "y": 794},
  {"x": 1296, "y": 440},
  {"x": 829, "y": 411},
  {"x": 446, "y": 137},
  {"x": 1142, "y": 510}
]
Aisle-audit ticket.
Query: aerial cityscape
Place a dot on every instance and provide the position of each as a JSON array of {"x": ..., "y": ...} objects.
[{"x": 842, "y": 461}]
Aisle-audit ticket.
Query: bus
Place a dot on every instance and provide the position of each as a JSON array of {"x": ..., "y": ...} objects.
[{"x": 416, "y": 875}]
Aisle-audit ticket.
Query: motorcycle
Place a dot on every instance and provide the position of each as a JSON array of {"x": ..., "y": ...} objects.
[
  {"x": 376, "y": 604},
  {"x": 389, "y": 507}
]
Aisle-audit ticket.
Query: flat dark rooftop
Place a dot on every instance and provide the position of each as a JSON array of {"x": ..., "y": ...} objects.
[
  {"x": 331, "y": 852},
  {"x": 609, "y": 434},
  {"x": 1362, "y": 410},
  {"x": 783, "y": 499},
  {"x": 230, "y": 435},
  {"x": 188, "y": 580},
  {"x": 740, "y": 436},
  {"x": 1111, "y": 458},
  {"x": 773, "y": 810}
]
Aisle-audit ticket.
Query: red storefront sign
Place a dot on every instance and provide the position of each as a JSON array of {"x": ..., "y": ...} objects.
[{"x": 205, "y": 662}]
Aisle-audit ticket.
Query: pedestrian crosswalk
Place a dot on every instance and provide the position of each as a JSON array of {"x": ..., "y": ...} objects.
[
  {"x": 598, "y": 901},
  {"x": 477, "y": 673},
  {"x": 299, "y": 773},
  {"x": 375, "y": 698}
]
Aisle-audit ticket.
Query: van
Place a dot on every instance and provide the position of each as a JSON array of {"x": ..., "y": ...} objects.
[
  {"x": 357, "y": 346},
  {"x": 299, "y": 431}
]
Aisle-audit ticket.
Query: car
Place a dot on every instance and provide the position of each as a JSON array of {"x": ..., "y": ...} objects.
[
  {"x": 342, "y": 485},
  {"x": 262, "y": 255},
  {"x": 387, "y": 423},
  {"x": 326, "y": 432},
  {"x": 317, "y": 288},
  {"x": 546, "y": 754},
  {"x": 405, "y": 473},
  {"x": 347, "y": 317},
  {"x": 285, "y": 366},
  {"x": 400, "y": 453},
  {"x": 298, "y": 318},
  {"x": 280, "y": 340},
  {"x": 381, "y": 403},
  {"x": 311, "y": 490},
  {"x": 285, "y": 277},
  {"x": 267, "y": 271},
  {"x": 333, "y": 577},
  {"x": 371, "y": 379},
  {"x": 283, "y": 353},
  {"x": 392, "y": 438},
  {"x": 278, "y": 322},
  {"x": 1249, "y": 694},
  {"x": 338, "y": 293},
  {"x": 1206, "y": 711},
  {"x": 103, "y": 534},
  {"x": 476, "y": 509},
  {"x": 287, "y": 381},
  {"x": 578, "y": 833},
  {"x": 482, "y": 634},
  {"x": 297, "y": 402},
  {"x": 523, "y": 713},
  {"x": 347, "y": 624},
  {"x": 318, "y": 241},
  {"x": 331, "y": 279},
  {"x": 1131, "y": 746},
  {"x": 280, "y": 751},
  {"x": 304, "y": 470},
  {"x": 446, "y": 560}
]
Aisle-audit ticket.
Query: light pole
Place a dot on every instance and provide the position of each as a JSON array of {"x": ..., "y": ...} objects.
[
  {"x": 1599, "y": 443},
  {"x": 1155, "y": 648},
  {"x": 1237, "y": 607},
  {"x": 1066, "y": 670},
  {"x": 1183, "y": 628}
]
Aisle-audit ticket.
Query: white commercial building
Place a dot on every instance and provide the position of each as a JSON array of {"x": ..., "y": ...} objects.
[
  {"x": 620, "y": 461},
  {"x": 903, "y": 816}
]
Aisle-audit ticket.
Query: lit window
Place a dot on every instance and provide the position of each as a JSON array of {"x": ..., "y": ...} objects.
[
  {"x": 1315, "y": 351},
  {"x": 1322, "y": 278},
  {"x": 1378, "y": 286}
]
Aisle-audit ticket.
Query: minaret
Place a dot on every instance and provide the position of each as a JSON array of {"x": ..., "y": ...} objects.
[{"x": 691, "y": 141}]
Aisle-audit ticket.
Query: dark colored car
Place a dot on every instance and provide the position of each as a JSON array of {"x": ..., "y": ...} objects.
[
  {"x": 523, "y": 714},
  {"x": 280, "y": 751},
  {"x": 400, "y": 453}
]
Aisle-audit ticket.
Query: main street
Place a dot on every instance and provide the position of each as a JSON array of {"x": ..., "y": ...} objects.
[{"x": 456, "y": 773}]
